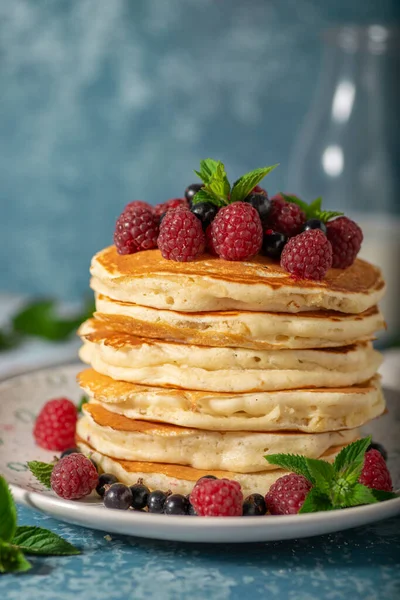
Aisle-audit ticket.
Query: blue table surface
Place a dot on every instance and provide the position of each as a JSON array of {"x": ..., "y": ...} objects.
[{"x": 361, "y": 563}]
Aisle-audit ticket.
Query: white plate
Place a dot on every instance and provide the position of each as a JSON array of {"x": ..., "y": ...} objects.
[{"x": 21, "y": 399}]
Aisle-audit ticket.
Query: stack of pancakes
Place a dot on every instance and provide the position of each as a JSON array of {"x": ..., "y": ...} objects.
[{"x": 208, "y": 366}]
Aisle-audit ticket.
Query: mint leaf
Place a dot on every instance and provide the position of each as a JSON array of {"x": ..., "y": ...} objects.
[
  {"x": 218, "y": 185},
  {"x": 315, "y": 501},
  {"x": 350, "y": 460},
  {"x": 42, "y": 471},
  {"x": 12, "y": 560},
  {"x": 208, "y": 167},
  {"x": 291, "y": 462},
  {"x": 312, "y": 210},
  {"x": 203, "y": 196},
  {"x": 359, "y": 494},
  {"x": 295, "y": 200},
  {"x": 322, "y": 473},
  {"x": 381, "y": 495},
  {"x": 8, "y": 339},
  {"x": 35, "y": 540},
  {"x": 8, "y": 513},
  {"x": 82, "y": 402},
  {"x": 247, "y": 182},
  {"x": 315, "y": 206},
  {"x": 327, "y": 215}
]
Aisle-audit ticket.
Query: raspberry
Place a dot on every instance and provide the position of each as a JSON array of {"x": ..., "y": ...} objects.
[
  {"x": 137, "y": 204},
  {"x": 346, "y": 238},
  {"x": 74, "y": 477},
  {"x": 181, "y": 235},
  {"x": 259, "y": 190},
  {"x": 308, "y": 255},
  {"x": 375, "y": 473},
  {"x": 236, "y": 231},
  {"x": 285, "y": 217},
  {"x": 217, "y": 498},
  {"x": 209, "y": 242},
  {"x": 159, "y": 209},
  {"x": 55, "y": 425},
  {"x": 135, "y": 230},
  {"x": 287, "y": 494}
]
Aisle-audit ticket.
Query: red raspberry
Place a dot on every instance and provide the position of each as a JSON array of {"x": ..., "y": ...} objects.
[
  {"x": 217, "y": 498},
  {"x": 236, "y": 232},
  {"x": 375, "y": 473},
  {"x": 259, "y": 190},
  {"x": 73, "y": 477},
  {"x": 285, "y": 217},
  {"x": 136, "y": 230},
  {"x": 159, "y": 209},
  {"x": 181, "y": 235},
  {"x": 55, "y": 426},
  {"x": 346, "y": 238},
  {"x": 209, "y": 241},
  {"x": 137, "y": 204},
  {"x": 308, "y": 255},
  {"x": 287, "y": 494}
]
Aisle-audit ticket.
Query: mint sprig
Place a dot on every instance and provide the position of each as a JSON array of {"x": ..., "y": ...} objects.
[
  {"x": 84, "y": 400},
  {"x": 15, "y": 541},
  {"x": 334, "y": 485},
  {"x": 217, "y": 189},
  {"x": 42, "y": 471},
  {"x": 312, "y": 210}
]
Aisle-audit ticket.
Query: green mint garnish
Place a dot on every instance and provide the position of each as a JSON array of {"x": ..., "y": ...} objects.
[
  {"x": 334, "y": 485},
  {"x": 217, "y": 188},
  {"x": 42, "y": 471},
  {"x": 313, "y": 210},
  {"x": 15, "y": 541},
  {"x": 84, "y": 400}
]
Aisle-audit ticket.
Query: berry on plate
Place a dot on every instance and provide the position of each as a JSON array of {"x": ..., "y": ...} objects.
[
  {"x": 140, "y": 494},
  {"x": 273, "y": 243},
  {"x": 118, "y": 496},
  {"x": 105, "y": 479},
  {"x": 156, "y": 501},
  {"x": 55, "y": 425},
  {"x": 236, "y": 232},
  {"x": 254, "y": 506},
  {"x": 181, "y": 236},
  {"x": 286, "y": 217},
  {"x": 74, "y": 477},
  {"x": 135, "y": 230},
  {"x": 308, "y": 255},
  {"x": 205, "y": 212},
  {"x": 217, "y": 498},
  {"x": 287, "y": 494},
  {"x": 346, "y": 238},
  {"x": 375, "y": 473},
  {"x": 176, "y": 504},
  {"x": 159, "y": 209},
  {"x": 380, "y": 448}
]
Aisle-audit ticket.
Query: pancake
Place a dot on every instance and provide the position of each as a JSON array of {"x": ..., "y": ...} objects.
[
  {"x": 310, "y": 411},
  {"x": 127, "y": 439},
  {"x": 210, "y": 284},
  {"x": 243, "y": 329},
  {"x": 178, "y": 478},
  {"x": 139, "y": 360}
]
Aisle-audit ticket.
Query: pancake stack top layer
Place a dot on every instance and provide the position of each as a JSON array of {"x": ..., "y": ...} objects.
[{"x": 208, "y": 366}]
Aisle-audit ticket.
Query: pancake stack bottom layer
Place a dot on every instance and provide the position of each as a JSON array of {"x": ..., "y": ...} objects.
[{"x": 207, "y": 367}]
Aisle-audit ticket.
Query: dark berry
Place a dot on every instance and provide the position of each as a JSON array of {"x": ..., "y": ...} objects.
[
  {"x": 105, "y": 479},
  {"x": 254, "y": 506},
  {"x": 70, "y": 451},
  {"x": 140, "y": 494},
  {"x": 118, "y": 496},
  {"x": 380, "y": 448},
  {"x": 94, "y": 464},
  {"x": 192, "y": 190},
  {"x": 162, "y": 216},
  {"x": 191, "y": 509},
  {"x": 156, "y": 501},
  {"x": 315, "y": 224},
  {"x": 261, "y": 203},
  {"x": 273, "y": 243},
  {"x": 205, "y": 211},
  {"x": 176, "y": 504}
]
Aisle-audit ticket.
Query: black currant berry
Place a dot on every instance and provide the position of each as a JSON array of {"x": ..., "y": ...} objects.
[
  {"x": 191, "y": 510},
  {"x": 156, "y": 501},
  {"x": 254, "y": 506},
  {"x": 176, "y": 504},
  {"x": 315, "y": 224},
  {"x": 118, "y": 496},
  {"x": 140, "y": 494},
  {"x": 380, "y": 448},
  {"x": 273, "y": 243},
  {"x": 261, "y": 203},
  {"x": 205, "y": 211},
  {"x": 192, "y": 190},
  {"x": 105, "y": 479},
  {"x": 70, "y": 451}
]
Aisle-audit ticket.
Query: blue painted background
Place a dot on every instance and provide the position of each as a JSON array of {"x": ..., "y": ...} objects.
[{"x": 105, "y": 101}]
